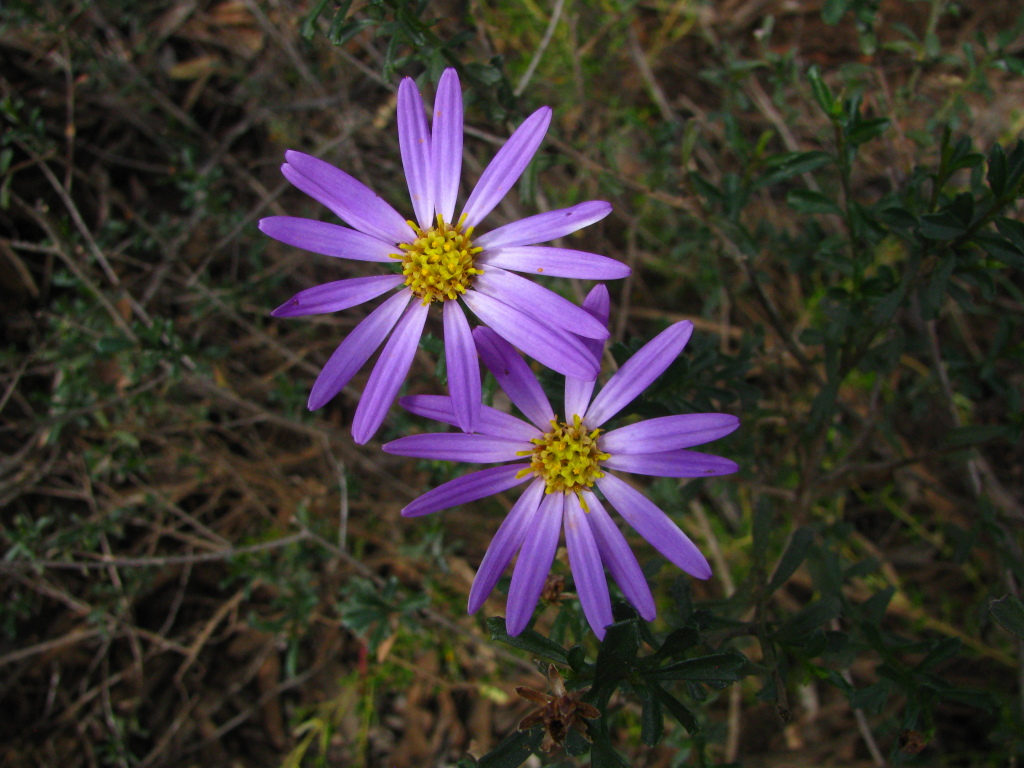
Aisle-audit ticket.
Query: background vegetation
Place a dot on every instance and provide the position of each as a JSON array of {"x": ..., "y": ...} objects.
[{"x": 198, "y": 571}]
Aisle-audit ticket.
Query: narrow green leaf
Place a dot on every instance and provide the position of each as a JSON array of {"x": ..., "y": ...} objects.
[
  {"x": 996, "y": 170},
  {"x": 527, "y": 640},
  {"x": 832, "y": 11},
  {"x": 792, "y": 558},
  {"x": 863, "y": 131},
  {"x": 798, "y": 628},
  {"x": 717, "y": 668},
  {"x": 788, "y": 164},
  {"x": 514, "y": 750},
  {"x": 1012, "y": 230},
  {"x": 615, "y": 660},
  {"x": 1009, "y": 612},
  {"x": 652, "y": 722},
  {"x": 975, "y": 434},
  {"x": 822, "y": 93},
  {"x": 941, "y": 226},
  {"x": 685, "y": 717},
  {"x": 809, "y": 201},
  {"x": 1000, "y": 248}
]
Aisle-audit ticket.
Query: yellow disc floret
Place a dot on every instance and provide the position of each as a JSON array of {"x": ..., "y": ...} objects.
[
  {"x": 438, "y": 264},
  {"x": 567, "y": 458}
]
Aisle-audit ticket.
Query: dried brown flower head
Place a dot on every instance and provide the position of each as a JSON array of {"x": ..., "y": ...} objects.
[{"x": 559, "y": 712}]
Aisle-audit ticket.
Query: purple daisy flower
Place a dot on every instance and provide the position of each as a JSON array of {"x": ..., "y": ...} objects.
[
  {"x": 562, "y": 461},
  {"x": 442, "y": 259}
]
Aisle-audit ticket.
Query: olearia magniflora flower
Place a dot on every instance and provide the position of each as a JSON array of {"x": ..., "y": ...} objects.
[
  {"x": 442, "y": 259},
  {"x": 562, "y": 461}
]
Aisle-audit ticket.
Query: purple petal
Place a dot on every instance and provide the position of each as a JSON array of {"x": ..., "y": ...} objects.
[
  {"x": 672, "y": 464},
  {"x": 655, "y": 526},
  {"x": 616, "y": 554},
  {"x": 463, "y": 368},
  {"x": 504, "y": 545},
  {"x": 639, "y": 371},
  {"x": 414, "y": 142},
  {"x": 341, "y": 294},
  {"x": 457, "y": 446},
  {"x": 587, "y": 572},
  {"x": 534, "y": 563},
  {"x": 578, "y": 391},
  {"x": 446, "y": 143},
  {"x": 507, "y": 166},
  {"x": 389, "y": 373},
  {"x": 328, "y": 239},
  {"x": 491, "y": 421},
  {"x": 545, "y": 227},
  {"x": 556, "y": 349},
  {"x": 514, "y": 377},
  {"x": 538, "y": 302},
  {"x": 467, "y": 488},
  {"x": 554, "y": 262},
  {"x": 351, "y": 200},
  {"x": 356, "y": 349},
  {"x": 669, "y": 433}
]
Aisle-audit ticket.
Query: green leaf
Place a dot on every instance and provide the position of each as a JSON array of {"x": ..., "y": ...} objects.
[
  {"x": 652, "y": 722},
  {"x": 716, "y": 668},
  {"x": 941, "y": 226},
  {"x": 1000, "y": 248},
  {"x": 685, "y": 717},
  {"x": 788, "y": 164},
  {"x": 1009, "y": 612},
  {"x": 1012, "y": 230},
  {"x": 996, "y": 171},
  {"x": 863, "y": 131},
  {"x": 832, "y": 11},
  {"x": 527, "y": 640},
  {"x": 791, "y": 558},
  {"x": 799, "y": 628},
  {"x": 615, "y": 660},
  {"x": 514, "y": 750},
  {"x": 809, "y": 201},
  {"x": 822, "y": 93},
  {"x": 678, "y": 642},
  {"x": 975, "y": 434}
]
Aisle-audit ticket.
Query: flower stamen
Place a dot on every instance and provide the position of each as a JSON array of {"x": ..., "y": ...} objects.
[
  {"x": 439, "y": 264},
  {"x": 567, "y": 458}
]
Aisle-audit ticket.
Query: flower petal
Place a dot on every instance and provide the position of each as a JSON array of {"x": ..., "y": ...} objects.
[
  {"x": 341, "y": 294},
  {"x": 389, "y": 373},
  {"x": 558, "y": 350},
  {"x": 351, "y": 200},
  {"x": 545, "y": 227},
  {"x": 669, "y": 433},
  {"x": 414, "y": 142},
  {"x": 507, "y": 540},
  {"x": 534, "y": 563},
  {"x": 587, "y": 572},
  {"x": 491, "y": 421},
  {"x": 463, "y": 368},
  {"x": 328, "y": 239},
  {"x": 578, "y": 391},
  {"x": 507, "y": 166},
  {"x": 539, "y": 303},
  {"x": 655, "y": 526},
  {"x": 514, "y": 377},
  {"x": 446, "y": 143},
  {"x": 554, "y": 262},
  {"x": 621, "y": 562},
  {"x": 467, "y": 488},
  {"x": 672, "y": 464},
  {"x": 638, "y": 372},
  {"x": 457, "y": 446},
  {"x": 356, "y": 349}
]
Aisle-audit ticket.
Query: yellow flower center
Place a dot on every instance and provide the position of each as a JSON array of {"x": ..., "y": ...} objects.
[
  {"x": 438, "y": 264},
  {"x": 566, "y": 458}
]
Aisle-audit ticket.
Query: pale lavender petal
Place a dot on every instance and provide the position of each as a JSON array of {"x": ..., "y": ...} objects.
[
  {"x": 328, "y": 239},
  {"x": 655, "y": 526},
  {"x": 356, "y": 349},
  {"x": 507, "y": 166},
  {"x": 514, "y": 377},
  {"x": 672, "y": 464},
  {"x": 457, "y": 446},
  {"x": 539, "y": 303},
  {"x": 467, "y": 488},
  {"x": 389, "y": 373},
  {"x": 545, "y": 227},
  {"x": 585, "y": 562},
  {"x": 446, "y": 143},
  {"x": 341, "y": 294},
  {"x": 621, "y": 562},
  {"x": 639, "y": 371},
  {"x": 463, "y": 368},
  {"x": 414, "y": 142},
  {"x": 534, "y": 563},
  {"x": 505, "y": 543},
  {"x": 558, "y": 350},
  {"x": 578, "y": 391},
  {"x": 669, "y": 433},
  {"x": 554, "y": 262},
  {"x": 491, "y": 421},
  {"x": 351, "y": 200}
]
